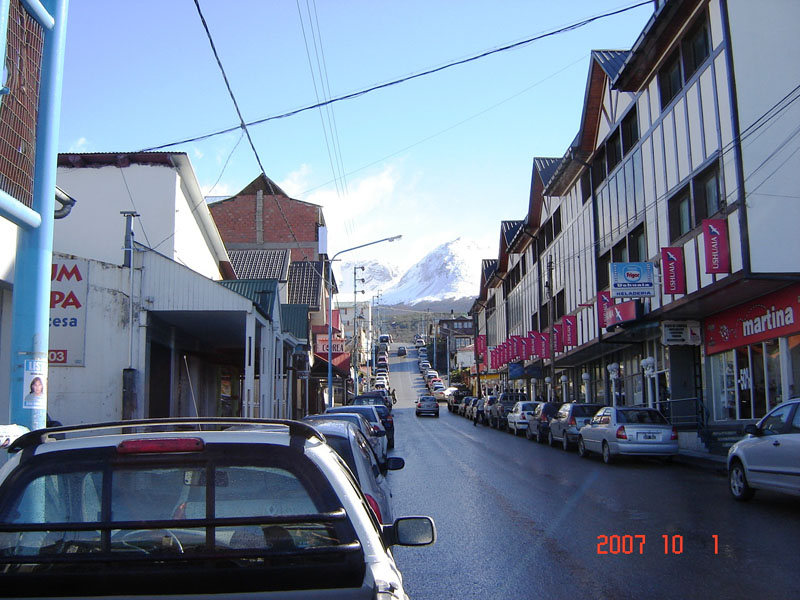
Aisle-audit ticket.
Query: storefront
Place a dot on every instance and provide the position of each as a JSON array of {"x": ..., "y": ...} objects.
[{"x": 753, "y": 356}]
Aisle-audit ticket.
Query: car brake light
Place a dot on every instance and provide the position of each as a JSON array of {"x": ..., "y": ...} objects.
[
  {"x": 572, "y": 422},
  {"x": 374, "y": 506},
  {"x": 375, "y": 429},
  {"x": 152, "y": 446},
  {"x": 522, "y": 417},
  {"x": 674, "y": 435},
  {"x": 621, "y": 435}
]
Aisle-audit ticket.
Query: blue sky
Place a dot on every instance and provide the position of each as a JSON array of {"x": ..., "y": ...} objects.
[{"x": 439, "y": 157}]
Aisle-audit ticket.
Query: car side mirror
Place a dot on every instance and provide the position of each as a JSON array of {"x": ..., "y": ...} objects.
[
  {"x": 410, "y": 531},
  {"x": 752, "y": 429}
]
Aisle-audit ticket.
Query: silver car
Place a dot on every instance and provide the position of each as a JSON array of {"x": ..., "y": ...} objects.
[
  {"x": 353, "y": 447},
  {"x": 628, "y": 431},
  {"x": 520, "y": 415},
  {"x": 427, "y": 405},
  {"x": 375, "y": 438},
  {"x": 768, "y": 458}
]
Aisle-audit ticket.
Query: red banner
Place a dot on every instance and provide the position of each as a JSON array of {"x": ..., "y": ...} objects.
[
  {"x": 570, "y": 330},
  {"x": 623, "y": 312},
  {"x": 533, "y": 336},
  {"x": 527, "y": 347},
  {"x": 768, "y": 317},
  {"x": 604, "y": 300},
  {"x": 545, "y": 345},
  {"x": 517, "y": 345},
  {"x": 558, "y": 337},
  {"x": 715, "y": 240},
  {"x": 673, "y": 271}
]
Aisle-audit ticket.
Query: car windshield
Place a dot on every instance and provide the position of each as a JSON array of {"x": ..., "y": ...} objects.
[{"x": 642, "y": 416}]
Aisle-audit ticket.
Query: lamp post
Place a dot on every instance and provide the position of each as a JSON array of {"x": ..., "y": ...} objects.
[
  {"x": 564, "y": 380},
  {"x": 649, "y": 368},
  {"x": 548, "y": 380},
  {"x": 613, "y": 371},
  {"x": 330, "y": 309}
]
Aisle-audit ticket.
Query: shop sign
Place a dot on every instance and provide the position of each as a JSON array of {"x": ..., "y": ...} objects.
[
  {"x": 69, "y": 296},
  {"x": 680, "y": 333},
  {"x": 603, "y": 302},
  {"x": 534, "y": 371},
  {"x": 515, "y": 371},
  {"x": 570, "y": 330},
  {"x": 321, "y": 346},
  {"x": 623, "y": 312},
  {"x": 632, "y": 279},
  {"x": 715, "y": 240},
  {"x": 771, "y": 316},
  {"x": 673, "y": 270}
]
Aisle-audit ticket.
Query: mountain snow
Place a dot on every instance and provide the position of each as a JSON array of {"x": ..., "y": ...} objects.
[
  {"x": 376, "y": 276},
  {"x": 449, "y": 271}
]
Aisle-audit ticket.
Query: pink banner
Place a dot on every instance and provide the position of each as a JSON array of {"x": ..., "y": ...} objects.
[
  {"x": 517, "y": 344},
  {"x": 533, "y": 336},
  {"x": 545, "y": 345},
  {"x": 604, "y": 301},
  {"x": 673, "y": 270},
  {"x": 570, "y": 331},
  {"x": 715, "y": 240},
  {"x": 558, "y": 337},
  {"x": 527, "y": 347}
]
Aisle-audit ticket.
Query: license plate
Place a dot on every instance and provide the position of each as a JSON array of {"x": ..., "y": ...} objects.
[{"x": 648, "y": 436}]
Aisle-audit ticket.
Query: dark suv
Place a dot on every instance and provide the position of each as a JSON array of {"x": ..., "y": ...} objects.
[
  {"x": 498, "y": 413},
  {"x": 539, "y": 426}
]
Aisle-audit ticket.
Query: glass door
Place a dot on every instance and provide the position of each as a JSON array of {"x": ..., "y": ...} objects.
[{"x": 744, "y": 384}]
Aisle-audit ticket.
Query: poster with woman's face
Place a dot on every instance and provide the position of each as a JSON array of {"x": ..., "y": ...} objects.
[{"x": 35, "y": 382}]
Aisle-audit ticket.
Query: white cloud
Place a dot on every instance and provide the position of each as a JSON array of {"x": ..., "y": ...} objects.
[{"x": 81, "y": 145}]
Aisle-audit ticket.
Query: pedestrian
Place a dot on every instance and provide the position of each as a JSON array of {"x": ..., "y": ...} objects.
[{"x": 394, "y": 396}]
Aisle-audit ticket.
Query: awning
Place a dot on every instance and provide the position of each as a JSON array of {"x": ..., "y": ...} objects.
[{"x": 341, "y": 365}]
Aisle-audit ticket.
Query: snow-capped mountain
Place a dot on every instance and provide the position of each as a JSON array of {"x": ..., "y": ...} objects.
[
  {"x": 450, "y": 271},
  {"x": 376, "y": 276}
]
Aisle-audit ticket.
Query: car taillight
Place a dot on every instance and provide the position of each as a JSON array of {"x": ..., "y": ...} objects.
[
  {"x": 522, "y": 417},
  {"x": 375, "y": 508},
  {"x": 543, "y": 418},
  {"x": 157, "y": 445},
  {"x": 375, "y": 429},
  {"x": 621, "y": 435},
  {"x": 674, "y": 435},
  {"x": 572, "y": 422}
]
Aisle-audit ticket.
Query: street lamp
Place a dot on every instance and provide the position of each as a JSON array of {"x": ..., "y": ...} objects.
[
  {"x": 586, "y": 378},
  {"x": 613, "y": 371},
  {"x": 548, "y": 380},
  {"x": 649, "y": 368},
  {"x": 330, "y": 309},
  {"x": 564, "y": 380}
]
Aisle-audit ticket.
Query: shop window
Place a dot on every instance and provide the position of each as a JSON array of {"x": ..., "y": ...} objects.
[
  {"x": 630, "y": 131},
  {"x": 695, "y": 47}
]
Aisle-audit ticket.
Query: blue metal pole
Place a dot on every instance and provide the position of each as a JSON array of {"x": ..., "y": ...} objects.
[{"x": 34, "y": 258}]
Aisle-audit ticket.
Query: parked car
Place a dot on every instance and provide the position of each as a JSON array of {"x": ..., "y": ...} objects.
[
  {"x": 628, "y": 431},
  {"x": 520, "y": 416},
  {"x": 464, "y": 406},
  {"x": 768, "y": 458},
  {"x": 569, "y": 419},
  {"x": 401, "y": 351},
  {"x": 454, "y": 397},
  {"x": 424, "y": 367},
  {"x": 364, "y": 426},
  {"x": 384, "y": 395},
  {"x": 427, "y": 405},
  {"x": 372, "y": 415},
  {"x": 487, "y": 409},
  {"x": 469, "y": 409},
  {"x": 256, "y": 495},
  {"x": 353, "y": 447},
  {"x": 539, "y": 426},
  {"x": 505, "y": 403}
]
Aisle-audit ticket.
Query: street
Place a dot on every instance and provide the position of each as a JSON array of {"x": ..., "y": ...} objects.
[{"x": 517, "y": 519}]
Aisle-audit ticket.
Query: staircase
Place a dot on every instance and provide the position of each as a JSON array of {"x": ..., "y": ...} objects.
[{"x": 718, "y": 438}]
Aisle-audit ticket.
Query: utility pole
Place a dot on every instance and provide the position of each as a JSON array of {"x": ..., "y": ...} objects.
[
  {"x": 355, "y": 360},
  {"x": 551, "y": 319}
]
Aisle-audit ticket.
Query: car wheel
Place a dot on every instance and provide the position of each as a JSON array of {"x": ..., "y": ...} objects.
[
  {"x": 565, "y": 443},
  {"x": 390, "y": 445},
  {"x": 417, "y": 413},
  {"x": 737, "y": 482},
  {"x": 582, "y": 451},
  {"x": 607, "y": 458},
  {"x": 437, "y": 415},
  {"x": 550, "y": 440}
]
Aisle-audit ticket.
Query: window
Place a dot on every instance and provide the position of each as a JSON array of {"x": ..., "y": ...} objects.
[
  {"x": 557, "y": 222},
  {"x": 602, "y": 270},
  {"x": 669, "y": 79},
  {"x": 637, "y": 246},
  {"x": 695, "y": 202},
  {"x": 599, "y": 169},
  {"x": 630, "y": 131},
  {"x": 619, "y": 253},
  {"x": 695, "y": 48},
  {"x": 613, "y": 151},
  {"x": 586, "y": 186},
  {"x": 560, "y": 305}
]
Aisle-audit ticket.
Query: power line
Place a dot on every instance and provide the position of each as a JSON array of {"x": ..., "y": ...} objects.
[{"x": 505, "y": 48}]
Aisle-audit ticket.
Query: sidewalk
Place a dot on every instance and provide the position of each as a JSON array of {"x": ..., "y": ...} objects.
[{"x": 702, "y": 460}]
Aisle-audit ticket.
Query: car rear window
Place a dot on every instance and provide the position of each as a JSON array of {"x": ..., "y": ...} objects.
[
  {"x": 647, "y": 417},
  {"x": 194, "y": 522},
  {"x": 584, "y": 410}
]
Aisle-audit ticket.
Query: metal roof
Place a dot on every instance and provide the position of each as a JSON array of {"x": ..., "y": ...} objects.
[
  {"x": 509, "y": 229},
  {"x": 611, "y": 61},
  {"x": 489, "y": 266},
  {"x": 305, "y": 283},
  {"x": 262, "y": 292},
  {"x": 546, "y": 167},
  {"x": 260, "y": 264},
  {"x": 294, "y": 320}
]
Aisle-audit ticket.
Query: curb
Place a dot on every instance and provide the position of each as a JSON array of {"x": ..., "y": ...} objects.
[{"x": 716, "y": 465}]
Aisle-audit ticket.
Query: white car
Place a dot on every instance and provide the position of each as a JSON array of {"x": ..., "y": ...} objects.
[
  {"x": 768, "y": 458},
  {"x": 205, "y": 507},
  {"x": 628, "y": 431},
  {"x": 520, "y": 415}
]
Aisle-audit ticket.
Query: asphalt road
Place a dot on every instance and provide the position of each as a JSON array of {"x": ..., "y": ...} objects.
[{"x": 520, "y": 520}]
